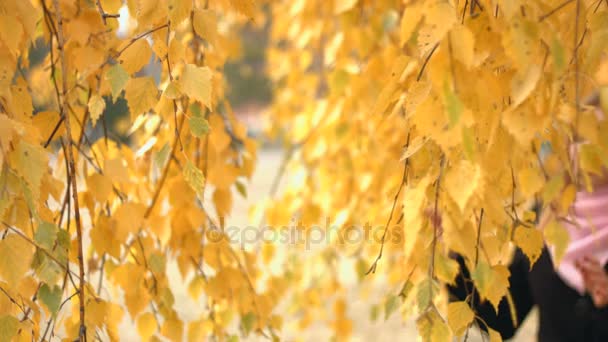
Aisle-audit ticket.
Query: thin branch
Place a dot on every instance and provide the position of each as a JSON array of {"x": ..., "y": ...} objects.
[
  {"x": 477, "y": 246},
  {"x": 48, "y": 140},
  {"x": 435, "y": 221},
  {"x": 181, "y": 146},
  {"x": 426, "y": 61},
  {"x": 104, "y": 15},
  {"x": 165, "y": 173},
  {"x": 374, "y": 265},
  {"x": 68, "y": 135},
  {"x": 551, "y": 12}
]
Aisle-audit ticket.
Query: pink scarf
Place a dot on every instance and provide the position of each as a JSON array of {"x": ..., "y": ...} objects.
[{"x": 588, "y": 237}]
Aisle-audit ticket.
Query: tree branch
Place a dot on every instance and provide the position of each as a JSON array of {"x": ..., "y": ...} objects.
[{"x": 70, "y": 154}]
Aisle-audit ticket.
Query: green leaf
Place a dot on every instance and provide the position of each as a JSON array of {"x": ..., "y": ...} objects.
[
  {"x": 460, "y": 317},
  {"x": 427, "y": 290},
  {"x": 374, "y": 312},
  {"x": 157, "y": 263},
  {"x": 46, "y": 268},
  {"x": 405, "y": 290},
  {"x": 50, "y": 297},
  {"x": 194, "y": 177},
  {"x": 196, "y": 83},
  {"x": 240, "y": 187},
  {"x": 162, "y": 156},
  {"x": 559, "y": 55},
  {"x": 390, "y": 305},
  {"x": 248, "y": 322},
  {"x": 8, "y": 328},
  {"x": 198, "y": 126},
  {"x": 453, "y": 105},
  {"x": 46, "y": 234},
  {"x": 118, "y": 77}
]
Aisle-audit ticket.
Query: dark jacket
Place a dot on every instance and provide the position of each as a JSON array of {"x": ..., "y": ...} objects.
[{"x": 564, "y": 315}]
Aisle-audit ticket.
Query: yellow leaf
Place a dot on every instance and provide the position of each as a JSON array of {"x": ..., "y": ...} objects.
[
  {"x": 194, "y": 177},
  {"x": 116, "y": 170},
  {"x": 146, "y": 325},
  {"x": 96, "y": 108},
  {"x": 245, "y": 7},
  {"x": 11, "y": 32},
  {"x": 30, "y": 162},
  {"x": 530, "y": 181},
  {"x": 463, "y": 44},
  {"x": 100, "y": 186},
  {"x": 173, "y": 329},
  {"x": 129, "y": 218},
  {"x": 205, "y": 25},
  {"x": 9, "y": 326},
  {"x": 530, "y": 240},
  {"x": 222, "y": 198},
  {"x": 409, "y": 20},
  {"x": 172, "y": 91},
  {"x": 494, "y": 335},
  {"x": 198, "y": 330},
  {"x": 460, "y": 316},
  {"x": 461, "y": 191},
  {"x": 523, "y": 83},
  {"x": 136, "y": 56},
  {"x": 46, "y": 122},
  {"x": 567, "y": 199},
  {"x": 492, "y": 282},
  {"x": 341, "y": 6},
  {"x": 141, "y": 95},
  {"x": 196, "y": 83},
  {"x": 16, "y": 256},
  {"x": 558, "y": 238},
  {"x": 414, "y": 146},
  {"x": 432, "y": 328},
  {"x": 179, "y": 10}
]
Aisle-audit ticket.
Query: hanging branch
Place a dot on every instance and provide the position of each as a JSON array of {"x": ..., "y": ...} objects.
[
  {"x": 476, "y": 261},
  {"x": 372, "y": 269},
  {"x": 435, "y": 221},
  {"x": 165, "y": 173},
  {"x": 70, "y": 155}
]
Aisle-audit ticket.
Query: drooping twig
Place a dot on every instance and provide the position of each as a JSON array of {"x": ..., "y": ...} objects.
[
  {"x": 165, "y": 173},
  {"x": 68, "y": 136},
  {"x": 435, "y": 221},
  {"x": 374, "y": 265}
]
